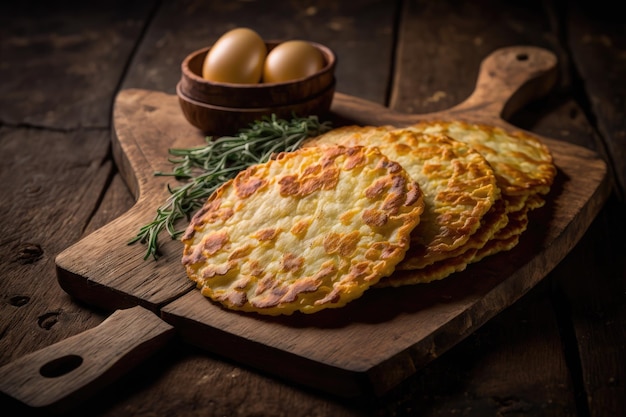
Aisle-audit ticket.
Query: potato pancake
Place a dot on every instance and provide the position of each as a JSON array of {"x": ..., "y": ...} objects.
[{"x": 307, "y": 230}]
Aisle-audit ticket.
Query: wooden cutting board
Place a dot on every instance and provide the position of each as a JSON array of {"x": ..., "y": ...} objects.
[{"x": 380, "y": 339}]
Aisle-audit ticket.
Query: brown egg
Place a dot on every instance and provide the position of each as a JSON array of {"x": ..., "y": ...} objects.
[
  {"x": 291, "y": 60},
  {"x": 236, "y": 57}
]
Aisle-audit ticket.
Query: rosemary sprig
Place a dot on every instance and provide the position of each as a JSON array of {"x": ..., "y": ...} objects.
[{"x": 203, "y": 169}]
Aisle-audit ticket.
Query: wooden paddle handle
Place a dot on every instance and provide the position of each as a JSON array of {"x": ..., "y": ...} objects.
[
  {"x": 58, "y": 376},
  {"x": 508, "y": 79}
]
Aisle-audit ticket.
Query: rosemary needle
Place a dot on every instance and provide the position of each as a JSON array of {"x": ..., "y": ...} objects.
[{"x": 203, "y": 169}]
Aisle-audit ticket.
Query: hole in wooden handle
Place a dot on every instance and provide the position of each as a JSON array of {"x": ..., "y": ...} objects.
[
  {"x": 61, "y": 366},
  {"x": 522, "y": 57}
]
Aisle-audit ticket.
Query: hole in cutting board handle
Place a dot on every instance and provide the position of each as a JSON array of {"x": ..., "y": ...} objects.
[
  {"x": 60, "y": 366},
  {"x": 522, "y": 57}
]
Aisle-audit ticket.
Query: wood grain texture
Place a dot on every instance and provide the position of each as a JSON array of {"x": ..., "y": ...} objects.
[
  {"x": 83, "y": 49},
  {"x": 62, "y": 169},
  {"x": 363, "y": 351},
  {"x": 595, "y": 33},
  {"x": 57, "y": 377},
  {"x": 137, "y": 120},
  {"x": 556, "y": 351},
  {"x": 593, "y": 310},
  {"x": 584, "y": 108},
  {"x": 361, "y": 32}
]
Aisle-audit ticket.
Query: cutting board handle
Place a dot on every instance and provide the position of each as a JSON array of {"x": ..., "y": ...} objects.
[
  {"x": 508, "y": 79},
  {"x": 59, "y": 376}
]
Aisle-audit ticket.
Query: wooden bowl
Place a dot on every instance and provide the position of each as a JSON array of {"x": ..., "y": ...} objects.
[
  {"x": 220, "y": 121},
  {"x": 223, "y": 108}
]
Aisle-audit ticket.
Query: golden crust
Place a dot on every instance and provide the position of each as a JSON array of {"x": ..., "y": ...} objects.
[
  {"x": 389, "y": 206},
  {"x": 458, "y": 183},
  {"x": 433, "y": 272},
  {"x": 523, "y": 164},
  {"x": 524, "y": 172},
  {"x": 308, "y": 230}
]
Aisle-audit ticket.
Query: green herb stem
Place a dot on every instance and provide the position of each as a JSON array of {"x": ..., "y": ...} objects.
[{"x": 205, "y": 168}]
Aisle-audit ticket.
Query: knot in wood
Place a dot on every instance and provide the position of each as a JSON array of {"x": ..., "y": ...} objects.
[{"x": 28, "y": 253}]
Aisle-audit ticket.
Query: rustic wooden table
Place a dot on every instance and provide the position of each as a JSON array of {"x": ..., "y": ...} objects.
[{"x": 558, "y": 351}]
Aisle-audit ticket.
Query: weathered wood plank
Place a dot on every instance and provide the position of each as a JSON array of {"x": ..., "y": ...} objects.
[
  {"x": 117, "y": 200},
  {"x": 82, "y": 364},
  {"x": 223, "y": 388},
  {"x": 184, "y": 380},
  {"x": 441, "y": 45},
  {"x": 444, "y": 78},
  {"x": 65, "y": 61},
  {"x": 594, "y": 309},
  {"x": 60, "y": 68},
  {"x": 595, "y": 33},
  {"x": 360, "y": 32},
  {"x": 52, "y": 184},
  {"x": 496, "y": 371}
]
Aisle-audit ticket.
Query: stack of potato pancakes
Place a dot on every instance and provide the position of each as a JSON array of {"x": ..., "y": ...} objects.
[{"x": 361, "y": 207}]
